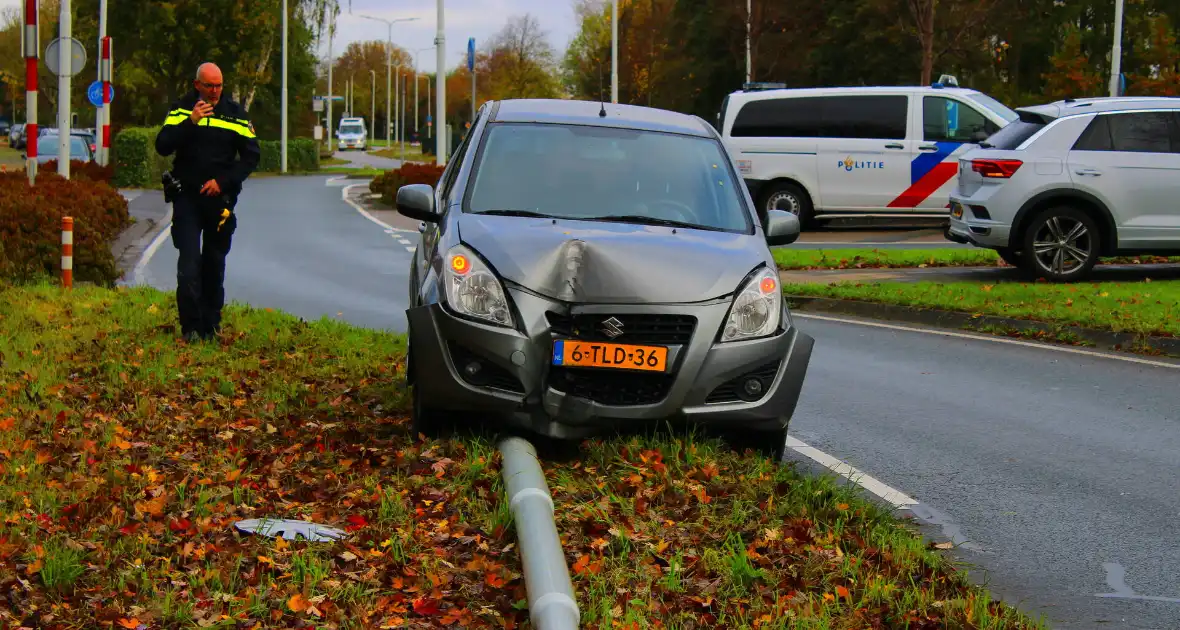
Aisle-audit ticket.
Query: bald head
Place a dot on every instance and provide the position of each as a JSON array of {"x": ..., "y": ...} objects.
[{"x": 208, "y": 82}]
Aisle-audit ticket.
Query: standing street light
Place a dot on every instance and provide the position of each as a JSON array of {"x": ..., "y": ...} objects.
[
  {"x": 388, "y": 73},
  {"x": 372, "y": 108},
  {"x": 1116, "y": 52},
  {"x": 440, "y": 88},
  {"x": 614, "y": 51}
]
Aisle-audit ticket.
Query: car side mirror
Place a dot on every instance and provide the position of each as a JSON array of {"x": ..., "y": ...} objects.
[
  {"x": 416, "y": 201},
  {"x": 782, "y": 228}
]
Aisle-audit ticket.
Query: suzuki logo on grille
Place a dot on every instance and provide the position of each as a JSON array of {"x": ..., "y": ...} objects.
[{"x": 612, "y": 327}]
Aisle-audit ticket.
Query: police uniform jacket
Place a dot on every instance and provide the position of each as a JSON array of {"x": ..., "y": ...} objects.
[{"x": 207, "y": 150}]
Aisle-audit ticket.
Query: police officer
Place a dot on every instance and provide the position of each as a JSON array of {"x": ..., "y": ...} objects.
[{"x": 205, "y": 130}]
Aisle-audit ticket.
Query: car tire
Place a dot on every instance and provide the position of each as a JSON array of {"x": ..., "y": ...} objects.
[
  {"x": 789, "y": 197},
  {"x": 1070, "y": 244}
]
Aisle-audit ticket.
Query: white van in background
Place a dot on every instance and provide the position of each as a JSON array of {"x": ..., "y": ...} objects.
[
  {"x": 825, "y": 153},
  {"x": 352, "y": 134}
]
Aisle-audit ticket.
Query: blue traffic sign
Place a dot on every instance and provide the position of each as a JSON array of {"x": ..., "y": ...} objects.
[
  {"x": 471, "y": 53},
  {"x": 94, "y": 93}
]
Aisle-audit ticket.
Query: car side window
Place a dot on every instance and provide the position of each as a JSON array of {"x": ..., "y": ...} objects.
[
  {"x": 453, "y": 167},
  {"x": 948, "y": 120},
  {"x": 1143, "y": 132},
  {"x": 1096, "y": 136}
]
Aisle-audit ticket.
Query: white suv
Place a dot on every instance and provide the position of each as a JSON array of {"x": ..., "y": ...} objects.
[
  {"x": 824, "y": 153},
  {"x": 1073, "y": 181}
]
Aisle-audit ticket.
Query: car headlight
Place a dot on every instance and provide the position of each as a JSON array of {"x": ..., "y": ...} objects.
[
  {"x": 757, "y": 308},
  {"x": 473, "y": 290}
]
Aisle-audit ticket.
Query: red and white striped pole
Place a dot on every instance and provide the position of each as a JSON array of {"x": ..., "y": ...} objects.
[
  {"x": 32, "y": 43},
  {"x": 67, "y": 252},
  {"x": 104, "y": 153}
]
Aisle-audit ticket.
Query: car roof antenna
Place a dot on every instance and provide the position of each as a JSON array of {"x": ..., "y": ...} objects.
[{"x": 602, "y": 112}]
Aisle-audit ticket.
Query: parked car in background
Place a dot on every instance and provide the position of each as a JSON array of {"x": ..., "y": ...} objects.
[
  {"x": 584, "y": 265},
  {"x": 47, "y": 148},
  {"x": 1073, "y": 181},
  {"x": 14, "y": 135},
  {"x": 842, "y": 152}
]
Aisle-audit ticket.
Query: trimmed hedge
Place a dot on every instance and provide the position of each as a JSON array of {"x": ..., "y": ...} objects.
[
  {"x": 388, "y": 182},
  {"x": 30, "y": 226},
  {"x": 137, "y": 165},
  {"x": 89, "y": 171}
]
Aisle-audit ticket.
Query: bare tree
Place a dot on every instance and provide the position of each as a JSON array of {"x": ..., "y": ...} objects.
[{"x": 525, "y": 57}]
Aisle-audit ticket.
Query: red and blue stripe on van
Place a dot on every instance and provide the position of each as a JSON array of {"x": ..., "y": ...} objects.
[{"x": 928, "y": 172}]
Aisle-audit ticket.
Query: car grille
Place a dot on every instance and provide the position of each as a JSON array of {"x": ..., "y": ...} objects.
[
  {"x": 612, "y": 387},
  {"x": 730, "y": 391},
  {"x": 638, "y": 328},
  {"x": 489, "y": 375}
]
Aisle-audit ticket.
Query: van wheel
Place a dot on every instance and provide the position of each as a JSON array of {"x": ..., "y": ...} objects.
[
  {"x": 789, "y": 197},
  {"x": 1061, "y": 244}
]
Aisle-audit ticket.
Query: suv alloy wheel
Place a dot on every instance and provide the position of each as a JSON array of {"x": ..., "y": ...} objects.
[{"x": 1061, "y": 244}]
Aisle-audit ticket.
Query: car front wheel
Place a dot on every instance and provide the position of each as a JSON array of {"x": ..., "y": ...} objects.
[{"x": 1062, "y": 244}]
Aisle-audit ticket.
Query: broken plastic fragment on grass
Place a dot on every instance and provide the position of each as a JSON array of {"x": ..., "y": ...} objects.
[{"x": 290, "y": 529}]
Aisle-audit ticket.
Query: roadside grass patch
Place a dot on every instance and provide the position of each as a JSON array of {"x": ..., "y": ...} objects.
[
  {"x": 126, "y": 456},
  {"x": 1149, "y": 307},
  {"x": 789, "y": 258}
]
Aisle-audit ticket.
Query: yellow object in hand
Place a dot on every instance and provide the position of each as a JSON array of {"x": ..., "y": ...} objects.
[{"x": 224, "y": 215}]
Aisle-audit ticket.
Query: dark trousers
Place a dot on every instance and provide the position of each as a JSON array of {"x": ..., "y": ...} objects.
[{"x": 200, "y": 270}]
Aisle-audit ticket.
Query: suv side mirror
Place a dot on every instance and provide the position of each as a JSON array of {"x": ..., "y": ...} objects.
[
  {"x": 416, "y": 201},
  {"x": 782, "y": 228}
]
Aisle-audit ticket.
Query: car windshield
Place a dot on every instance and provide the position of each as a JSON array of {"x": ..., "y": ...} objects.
[
  {"x": 47, "y": 145},
  {"x": 607, "y": 174},
  {"x": 1003, "y": 110},
  {"x": 352, "y": 130}
]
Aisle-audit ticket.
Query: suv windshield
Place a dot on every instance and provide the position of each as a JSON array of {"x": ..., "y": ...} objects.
[
  {"x": 352, "y": 130},
  {"x": 607, "y": 174}
]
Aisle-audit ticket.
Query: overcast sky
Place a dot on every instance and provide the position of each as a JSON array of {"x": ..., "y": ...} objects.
[{"x": 464, "y": 18}]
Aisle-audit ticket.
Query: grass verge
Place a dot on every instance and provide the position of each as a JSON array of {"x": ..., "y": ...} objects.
[
  {"x": 1135, "y": 307},
  {"x": 805, "y": 259},
  {"x": 127, "y": 456},
  {"x": 413, "y": 154},
  {"x": 823, "y": 259}
]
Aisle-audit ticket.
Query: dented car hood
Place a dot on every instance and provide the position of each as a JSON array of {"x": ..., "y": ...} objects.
[{"x": 584, "y": 261}]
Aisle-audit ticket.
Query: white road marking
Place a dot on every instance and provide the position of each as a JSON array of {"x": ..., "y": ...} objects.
[
  {"x": 411, "y": 248},
  {"x": 1017, "y": 342},
  {"x": 890, "y": 495},
  {"x": 403, "y": 241},
  {"x": 355, "y": 206},
  {"x": 146, "y": 257}
]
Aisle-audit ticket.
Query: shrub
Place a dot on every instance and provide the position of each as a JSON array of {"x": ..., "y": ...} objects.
[
  {"x": 89, "y": 171},
  {"x": 387, "y": 183},
  {"x": 30, "y": 226},
  {"x": 303, "y": 155},
  {"x": 137, "y": 165}
]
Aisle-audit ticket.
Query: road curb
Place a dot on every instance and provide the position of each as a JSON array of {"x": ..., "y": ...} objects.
[
  {"x": 957, "y": 320},
  {"x": 129, "y": 247}
]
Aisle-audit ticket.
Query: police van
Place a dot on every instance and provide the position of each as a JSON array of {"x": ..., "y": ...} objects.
[
  {"x": 825, "y": 153},
  {"x": 352, "y": 133}
]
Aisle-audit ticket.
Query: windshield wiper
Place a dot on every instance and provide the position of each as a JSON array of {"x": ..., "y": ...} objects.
[
  {"x": 518, "y": 213},
  {"x": 638, "y": 218}
]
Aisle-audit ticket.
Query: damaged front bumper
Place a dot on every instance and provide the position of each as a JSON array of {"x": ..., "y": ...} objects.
[{"x": 465, "y": 366}]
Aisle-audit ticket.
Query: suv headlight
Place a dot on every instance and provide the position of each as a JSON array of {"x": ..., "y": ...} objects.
[
  {"x": 473, "y": 290},
  {"x": 756, "y": 309}
]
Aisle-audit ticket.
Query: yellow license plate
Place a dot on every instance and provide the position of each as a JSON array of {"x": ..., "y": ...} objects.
[
  {"x": 956, "y": 210},
  {"x": 574, "y": 353}
]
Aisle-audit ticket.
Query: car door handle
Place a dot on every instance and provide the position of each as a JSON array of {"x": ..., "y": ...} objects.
[
  {"x": 928, "y": 148},
  {"x": 895, "y": 145},
  {"x": 1088, "y": 171}
]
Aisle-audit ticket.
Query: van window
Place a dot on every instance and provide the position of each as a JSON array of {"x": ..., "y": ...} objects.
[
  {"x": 853, "y": 116},
  {"x": 948, "y": 120},
  {"x": 778, "y": 118}
]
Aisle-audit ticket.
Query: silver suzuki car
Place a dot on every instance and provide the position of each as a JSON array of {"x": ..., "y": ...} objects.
[{"x": 586, "y": 266}]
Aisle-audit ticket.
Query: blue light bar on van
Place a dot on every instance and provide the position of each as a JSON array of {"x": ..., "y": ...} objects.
[{"x": 751, "y": 87}]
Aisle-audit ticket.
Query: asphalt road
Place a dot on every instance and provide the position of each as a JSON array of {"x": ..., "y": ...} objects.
[
  {"x": 298, "y": 247},
  {"x": 1061, "y": 469}
]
